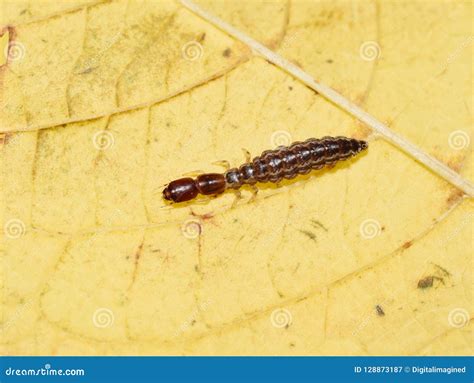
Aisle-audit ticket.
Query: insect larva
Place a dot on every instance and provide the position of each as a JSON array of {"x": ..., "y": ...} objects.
[{"x": 271, "y": 166}]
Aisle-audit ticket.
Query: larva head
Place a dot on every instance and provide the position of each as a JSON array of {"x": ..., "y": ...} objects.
[{"x": 181, "y": 190}]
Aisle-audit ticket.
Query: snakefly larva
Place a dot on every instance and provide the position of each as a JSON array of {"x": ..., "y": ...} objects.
[{"x": 271, "y": 166}]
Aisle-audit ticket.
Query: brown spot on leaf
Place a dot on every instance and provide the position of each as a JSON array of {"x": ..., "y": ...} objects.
[
  {"x": 438, "y": 274},
  {"x": 309, "y": 234},
  {"x": 455, "y": 164},
  {"x": 297, "y": 63},
  {"x": 454, "y": 196},
  {"x": 227, "y": 52},
  {"x": 426, "y": 282},
  {"x": 11, "y": 38},
  {"x": 379, "y": 311},
  {"x": 204, "y": 217},
  {"x": 138, "y": 253},
  {"x": 5, "y": 138},
  {"x": 362, "y": 131},
  {"x": 442, "y": 269},
  {"x": 318, "y": 224},
  {"x": 407, "y": 244}
]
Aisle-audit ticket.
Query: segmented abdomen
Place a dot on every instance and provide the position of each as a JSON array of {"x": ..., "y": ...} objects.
[{"x": 298, "y": 158}]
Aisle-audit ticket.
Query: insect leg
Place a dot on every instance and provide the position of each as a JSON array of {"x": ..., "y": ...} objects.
[
  {"x": 193, "y": 173},
  {"x": 238, "y": 195},
  {"x": 248, "y": 157},
  {"x": 224, "y": 163},
  {"x": 254, "y": 193}
]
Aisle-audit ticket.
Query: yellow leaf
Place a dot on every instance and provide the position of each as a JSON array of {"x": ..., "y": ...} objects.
[{"x": 105, "y": 103}]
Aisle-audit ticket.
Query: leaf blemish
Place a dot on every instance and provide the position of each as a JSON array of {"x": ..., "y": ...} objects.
[
  {"x": 204, "y": 217},
  {"x": 138, "y": 253},
  {"x": 439, "y": 274},
  {"x": 7, "y": 138},
  {"x": 317, "y": 224},
  {"x": 309, "y": 234},
  {"x": 426, "y": 282},
  {"x": 379, "y": 311},
  {"x": 10, "y": 32},
  {"x": 442, "y": 269}
]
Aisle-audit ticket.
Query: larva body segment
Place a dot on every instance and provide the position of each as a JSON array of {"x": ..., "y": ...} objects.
[
  {"x": 285, "y": 162},
  {"x": 289, "y": 161}
]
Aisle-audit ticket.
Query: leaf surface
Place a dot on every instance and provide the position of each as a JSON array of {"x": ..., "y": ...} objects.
[{"x": 104, "y": 103}]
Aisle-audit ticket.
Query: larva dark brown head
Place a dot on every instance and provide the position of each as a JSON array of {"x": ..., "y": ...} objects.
[{"x": 181, "y": 190}]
